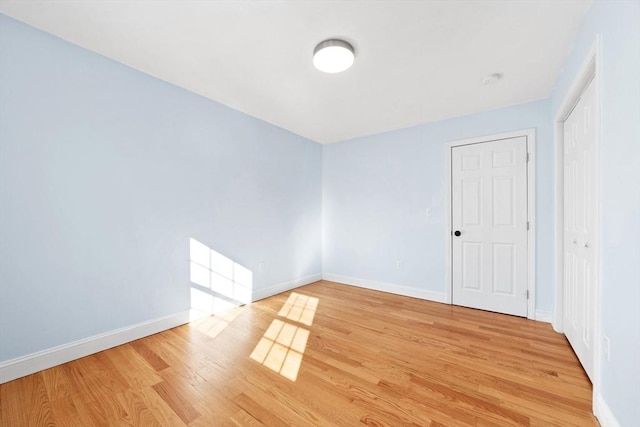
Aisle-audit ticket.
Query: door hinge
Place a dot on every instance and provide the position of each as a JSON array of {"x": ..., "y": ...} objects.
[
  {"x": 528, "y": 225},
  {"x": 527, "y": 294},
  {"x": 527, "y": 157}
]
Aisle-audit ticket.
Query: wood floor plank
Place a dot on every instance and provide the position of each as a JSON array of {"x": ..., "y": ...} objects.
[
  {"x": 138, "y": 413},
  {"x": 173, "y": 395},
  {"x": 159, "y": 408},
  {"x": 368, "y": 358},
  {"x": 149, "y": 355}
]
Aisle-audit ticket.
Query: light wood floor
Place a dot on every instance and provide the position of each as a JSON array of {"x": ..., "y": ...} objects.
[{"x": 369, "y": 358}]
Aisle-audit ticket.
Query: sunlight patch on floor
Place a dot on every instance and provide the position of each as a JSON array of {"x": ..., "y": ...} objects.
[
  {"x": 282, "y": 346},
  {"x": 299, "y": 308}
]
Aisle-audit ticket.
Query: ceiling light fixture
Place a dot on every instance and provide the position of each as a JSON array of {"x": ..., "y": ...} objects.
[{"x": 333, "y": 56}]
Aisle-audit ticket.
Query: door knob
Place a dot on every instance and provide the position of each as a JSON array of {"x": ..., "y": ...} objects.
[
  {"x": 457, "y": 233},
  {"x": 586, "y": 244}
]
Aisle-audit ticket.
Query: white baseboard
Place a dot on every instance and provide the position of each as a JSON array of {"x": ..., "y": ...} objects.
[
  {"x": 543, "y": 316},
  {"x": 35, "y": 362},
  {"x": 259, "y": 294},
  {"x": 391, "y": 288},
  {"x": 604, "y": 414},
  {"x": 45, "y": 359}
]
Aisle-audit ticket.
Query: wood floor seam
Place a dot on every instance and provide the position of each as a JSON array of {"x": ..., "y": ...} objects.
[{"x": 333, "y": 356}]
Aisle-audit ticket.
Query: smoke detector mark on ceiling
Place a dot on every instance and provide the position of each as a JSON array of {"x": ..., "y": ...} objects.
[{"x": 491, "y": 79}]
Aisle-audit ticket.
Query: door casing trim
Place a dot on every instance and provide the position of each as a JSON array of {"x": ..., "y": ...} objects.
[{"x": 530, "y": 135}]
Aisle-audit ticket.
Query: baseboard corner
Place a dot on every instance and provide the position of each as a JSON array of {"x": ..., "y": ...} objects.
[
  {"x": 278, "y": 288},
  {"x": 543, "y": 316},
  {"x": 603, "y": 413},
  {"x": 391, "y": 288}
]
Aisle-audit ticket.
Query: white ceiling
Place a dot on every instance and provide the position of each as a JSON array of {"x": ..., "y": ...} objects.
[{"x": 416, "y": 61}]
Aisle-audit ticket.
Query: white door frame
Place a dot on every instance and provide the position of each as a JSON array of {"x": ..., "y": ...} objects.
[
  {"x": 530, "y": 134},
  {"x": 590, "y": 71}
]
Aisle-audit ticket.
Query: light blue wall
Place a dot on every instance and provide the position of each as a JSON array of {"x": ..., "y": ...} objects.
[
  {"x": 376, "y": 190},
  {"x": 618, "y": 23},
  {"x": 105, "y": 174}
]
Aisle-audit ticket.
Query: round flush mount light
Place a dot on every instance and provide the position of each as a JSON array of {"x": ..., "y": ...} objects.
[
  {"x": 491, "y": 79},
  {"x": 333, "y": 56}
]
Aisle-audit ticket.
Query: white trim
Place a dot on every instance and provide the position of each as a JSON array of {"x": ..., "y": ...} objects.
[
  {"x": 259, "y": 294},
  {"x": 530, "y": 135},
  {"x": 35, "y": 362},
  {"x": 531, "y": 214},
  {"x": 448, "y": 228},
  {"x": 543, "y": 316},
  {"x": 54, "y": 356},
  {"x": 604, "y": 413},
  {"x": 591, "y": 70},
  {"x": 391, "y": 288}
]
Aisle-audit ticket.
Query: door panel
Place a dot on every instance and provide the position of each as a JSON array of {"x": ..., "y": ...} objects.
[
  {"x": 504, "y": 261},
  {"x": 471, "y": 268},
  {"x": 579, "y": 208},
  {"x": 489, "y": 208},
  {"x": 503, "y": 200},
  {"x": 471, "y": 202}
]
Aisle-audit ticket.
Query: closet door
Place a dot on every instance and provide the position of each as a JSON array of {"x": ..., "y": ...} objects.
[{"x": 579, "y": 233}]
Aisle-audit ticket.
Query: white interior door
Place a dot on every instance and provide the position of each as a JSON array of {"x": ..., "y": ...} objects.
[
  {"x": 489, "y": 221},
  {"x": 579, "y": 233}
]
